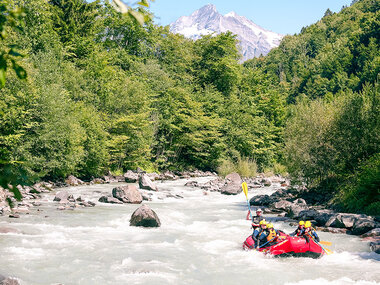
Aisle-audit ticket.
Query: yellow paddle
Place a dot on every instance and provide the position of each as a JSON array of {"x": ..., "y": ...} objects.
[
  {"x": 245, "y": 190},
  {"x": 325, "y": 249},
  {"x": 325, "y": 242}
]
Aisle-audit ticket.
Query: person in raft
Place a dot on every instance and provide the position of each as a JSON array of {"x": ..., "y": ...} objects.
[
  {"x": 272, "y": 235},
  {"x": 310, "y": 231},
  {"x": 256, "y": 219},
  {"x": 300, "y": 230},
  {"x": 259, "y": 234}
]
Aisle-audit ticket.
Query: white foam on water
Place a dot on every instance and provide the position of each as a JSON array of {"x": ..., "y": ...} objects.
[
  {"x": 340, "y": 281},
  {"x": 25, "y": 253}
]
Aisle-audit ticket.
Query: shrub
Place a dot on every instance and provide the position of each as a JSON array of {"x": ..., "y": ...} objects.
[{"x": 244, "y": 166}]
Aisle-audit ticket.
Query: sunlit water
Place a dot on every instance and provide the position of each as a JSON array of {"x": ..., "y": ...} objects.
[{"x": 199, "y": 242}]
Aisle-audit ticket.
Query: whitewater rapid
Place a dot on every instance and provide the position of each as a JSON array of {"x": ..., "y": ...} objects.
[{"x": 199, "y": 242}]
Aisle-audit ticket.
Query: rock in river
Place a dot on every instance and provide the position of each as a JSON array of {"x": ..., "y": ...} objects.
[
  {"x": 232, "y": 185},
  {"x": 110, "y": 200},
  {"x": 73, "y": 181},
  {"x": 146, "y": 183},
  {"x": 130, "y": 176},
  {"x": 127, "y": 194},
  {"x": 61, "y": 196},
  {"x": 144, "y": 217}
]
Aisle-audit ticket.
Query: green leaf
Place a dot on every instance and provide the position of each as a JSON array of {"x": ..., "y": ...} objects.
[
  {"x": 2, "y": 77},
  {"x": 144, "y": 3}
]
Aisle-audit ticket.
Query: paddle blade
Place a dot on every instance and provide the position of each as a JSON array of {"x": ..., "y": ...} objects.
[
  {"x": 325, "y": 242},
  {"x": 245, "y": 189},
  {"x": 328, "y": 252}
]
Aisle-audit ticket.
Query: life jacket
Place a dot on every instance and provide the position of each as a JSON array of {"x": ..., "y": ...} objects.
[
  {"x": 300, "y": 232},
  {"x": 312, "y": 233},
  {"x": 261, "y": 235},
  {"x": 271, "y": 235}
]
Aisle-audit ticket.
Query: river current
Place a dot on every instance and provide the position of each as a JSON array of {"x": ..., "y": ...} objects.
[{"x": 199, "y": 242}]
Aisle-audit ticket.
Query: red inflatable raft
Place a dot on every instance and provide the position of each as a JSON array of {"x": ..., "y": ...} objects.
[{"x": 287, "y": 246}]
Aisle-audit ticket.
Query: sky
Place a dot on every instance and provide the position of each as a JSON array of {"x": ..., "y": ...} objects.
[{"x": 280, "y": 16}]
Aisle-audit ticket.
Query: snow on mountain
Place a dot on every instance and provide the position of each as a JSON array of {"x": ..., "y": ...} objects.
[{"x": 254, "y": 40}]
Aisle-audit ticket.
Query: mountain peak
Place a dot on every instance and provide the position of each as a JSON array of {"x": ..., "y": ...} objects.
[
  {"x": 231, "y": 14},
  {"x": 253, "y": 39},
  {"x": 210, "y": 7}
]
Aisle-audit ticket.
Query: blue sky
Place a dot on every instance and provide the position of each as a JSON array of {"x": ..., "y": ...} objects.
[{"x": 280, "y": 16}]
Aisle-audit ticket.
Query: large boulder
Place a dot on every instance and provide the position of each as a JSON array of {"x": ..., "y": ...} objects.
[
  {"x": 146, "y": 183},
  {"x": 266, "y": 182},
  {"x": 61, "y": 196},
  {"x": 232, "y": 184},
  {"x": 110, "y": 200},
  {"x": 127, "y": 194},
  {"x": 168, "y": 175},
  {"x": 233, "y": 178},
  {"x": 372, "y": 233},
  {"x": 261, "y": 200},
  {"x": 131, "y": 177},
  {"x": 282, "y": 205},
  {"x": 8, "y": 280},
  {"x": 153, "y": 176},
  {"x": 73, "y": 181},
  {"x": 144, "y": 217},
  {"x": 375, "y": 246},
  {"x": 363, "y": 225}
]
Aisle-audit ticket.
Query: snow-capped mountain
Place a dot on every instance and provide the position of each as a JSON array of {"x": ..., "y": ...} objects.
[{"x": 254, "y": 40}]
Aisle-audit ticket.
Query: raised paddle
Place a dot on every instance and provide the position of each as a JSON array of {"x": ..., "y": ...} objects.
[{"x": 245, "y": 190}]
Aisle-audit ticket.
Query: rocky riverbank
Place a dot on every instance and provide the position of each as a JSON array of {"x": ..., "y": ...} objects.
[{"x": 31, "y": 195}]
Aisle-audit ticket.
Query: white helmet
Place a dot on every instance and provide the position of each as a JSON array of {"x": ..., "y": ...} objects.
[{"x": 259, "y": 210}]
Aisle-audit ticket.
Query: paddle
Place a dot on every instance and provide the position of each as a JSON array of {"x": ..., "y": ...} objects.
[
  {"x": 325, "y": 242},
  {"x": 325, "y": 249},
  {"x": 245, "y": 190},
  {"x": 267, "y": 242}
]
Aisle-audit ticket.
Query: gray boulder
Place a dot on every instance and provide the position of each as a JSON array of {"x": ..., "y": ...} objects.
[
  {"x": 282, "y": 205},
  {"x": 153, "y": 176},
  {"x": 110, "y": 178},
  {"x": 375, "y": 246},
  {"x": 363, "y": 225},
  {"x": 261, "y": 200},
  {"x": 9, "y": 281},
  {"x": 372, "y": 233},
  {"x": 295, "y": 209},
  {"x": 127, "y": 194},
  {"x": 266, "y": 182},
  {"x": 110, "y": 200},
  {"x": 61, "y": 196},
  {"x": 146, "y": 183},
  {"x": 97, "y": 181},
  {"x": 144, "y": 217},
  {"x": 131, "y": 177},
  {"x": 73, "y": 181},
  {"x": 191, "y": 184},
  {"x": 232, "y": 184},
  {"x": 168, "y": 175}
]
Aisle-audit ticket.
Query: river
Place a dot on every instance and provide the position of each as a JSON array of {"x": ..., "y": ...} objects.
[{"x": 199, "y": 242}]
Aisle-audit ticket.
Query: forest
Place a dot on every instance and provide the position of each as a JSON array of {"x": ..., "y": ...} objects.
[{"x": 86, "y": 89}]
